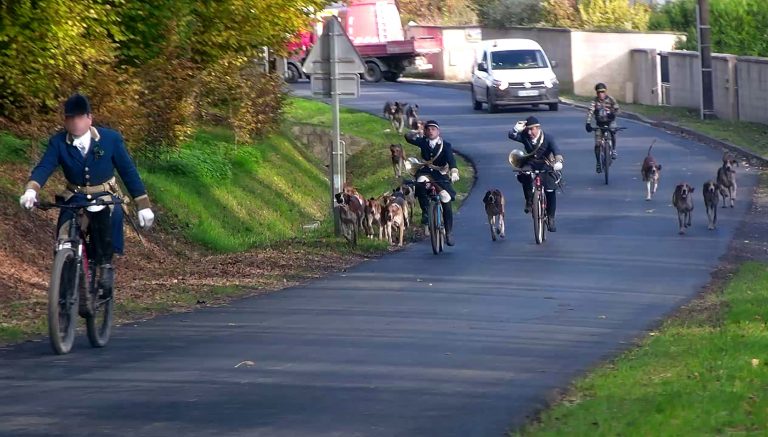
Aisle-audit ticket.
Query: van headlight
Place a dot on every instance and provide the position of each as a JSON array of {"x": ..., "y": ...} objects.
[
  {"x": 549, "y": 83},
  {"x": 501, "y": 84}
]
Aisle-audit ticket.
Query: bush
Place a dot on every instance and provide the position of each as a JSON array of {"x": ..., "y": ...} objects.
[
  {"x": 613, "y": 15},
  {"x": 504, "y": 13},
  {"x": 738, "y": 26},
  {"x": 561, "y": 13}
]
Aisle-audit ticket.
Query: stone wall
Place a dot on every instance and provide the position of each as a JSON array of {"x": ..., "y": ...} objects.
[{"x": 317, "y": 140}]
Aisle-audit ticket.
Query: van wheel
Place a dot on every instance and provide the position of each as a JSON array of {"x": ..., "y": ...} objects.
[
  {"x": 553, "y": 106},
  {"x": 492, "y": 107},
  {"x": 475, "y": 104}
]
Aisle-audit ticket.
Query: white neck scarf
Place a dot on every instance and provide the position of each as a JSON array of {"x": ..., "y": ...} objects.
[
  {"x": 83, "y": 142},
  {"x": 435, "y": 142}
]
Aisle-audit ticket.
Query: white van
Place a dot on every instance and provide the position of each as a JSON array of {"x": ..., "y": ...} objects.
[{"x": 513, "y": 72}]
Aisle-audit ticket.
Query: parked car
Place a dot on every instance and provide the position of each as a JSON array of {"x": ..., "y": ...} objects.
[{"x": 509, "y": 72}]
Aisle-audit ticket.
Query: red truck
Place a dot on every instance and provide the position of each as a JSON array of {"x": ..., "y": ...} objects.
[{"x": 375, "y": 30}]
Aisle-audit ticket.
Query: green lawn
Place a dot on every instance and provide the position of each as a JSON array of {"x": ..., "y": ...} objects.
[
  {"x": 232, "y": 198},
  {"x": 371, "y": 171},
  {"x": 703, "y": 374},
  {"x": 751, "y": 136}
]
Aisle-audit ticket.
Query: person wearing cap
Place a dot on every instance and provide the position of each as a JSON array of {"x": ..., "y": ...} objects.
[
  {"x": 603, "y": 109},
  {"x": 542, "y": 153},
  {"x": 439, "y": 153},
  {"x": 88, "y": 157}
]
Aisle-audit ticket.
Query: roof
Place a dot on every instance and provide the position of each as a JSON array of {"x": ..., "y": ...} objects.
[{"x": 511, "y": 44}]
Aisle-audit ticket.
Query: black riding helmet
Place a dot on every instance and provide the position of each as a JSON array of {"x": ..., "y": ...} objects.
[{"x": 600, "y": 87}]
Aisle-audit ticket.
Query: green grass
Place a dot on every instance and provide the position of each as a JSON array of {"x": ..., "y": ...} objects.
[
  {"x": 751, "y": 136},
  {"x": 704, "y": 374},
  {"x": 369, "y": 171},
  {"x": 13, "y": 149},
  {"x": 232, "y": 198}
]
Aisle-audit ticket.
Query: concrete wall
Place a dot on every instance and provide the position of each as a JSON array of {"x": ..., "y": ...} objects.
[
  {"x": 454, "y": 62},
  {"x": 753, "y": 88},
  {"x": 645, "y": 76},
  {"x": 555, "y": 42},
  {"x": 684, "y": 79},
  {"x": 724, "y": 86},
  {"x": 606, "y": 57}
]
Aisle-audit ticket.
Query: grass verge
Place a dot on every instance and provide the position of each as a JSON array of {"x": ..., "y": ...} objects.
[
  {"x": 370, "y": 171},
  {"x": 701, "y": 374},
  {"x": 751, "y": 136}
]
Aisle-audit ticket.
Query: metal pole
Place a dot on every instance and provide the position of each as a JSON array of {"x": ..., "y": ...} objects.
[
  {"x": 337, "y": 157},
  {"x": 705, "y": 55}
]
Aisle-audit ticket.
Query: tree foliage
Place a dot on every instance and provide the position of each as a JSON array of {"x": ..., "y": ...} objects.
[
  {"x": 503, "y": 13},
  {"x": 142, "y": 61},
  {"x": 436, "y": 12},
  {"x": 738, "y": 26}
]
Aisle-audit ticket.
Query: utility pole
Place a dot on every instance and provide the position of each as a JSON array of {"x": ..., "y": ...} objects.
[{"x": 705, "y": 56}]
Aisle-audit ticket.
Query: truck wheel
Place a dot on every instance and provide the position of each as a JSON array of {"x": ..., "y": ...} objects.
[
  {"x": 372, "y": 72},
  {"x": 391, "y": 76},
  {"x": 292, "y": 74},
  {"x": 553, "y": 107}
]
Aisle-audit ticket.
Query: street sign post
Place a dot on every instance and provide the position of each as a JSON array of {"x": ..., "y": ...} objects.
[{"x": 334, "y": 67}]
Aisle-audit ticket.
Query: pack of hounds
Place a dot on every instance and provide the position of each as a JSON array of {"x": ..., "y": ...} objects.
[
  {"x": 722, "y": 186},
  {"x": 387, "y": 216}
]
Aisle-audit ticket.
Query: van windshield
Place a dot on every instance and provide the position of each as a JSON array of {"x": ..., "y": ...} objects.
[{"x": 517, "y": 59}]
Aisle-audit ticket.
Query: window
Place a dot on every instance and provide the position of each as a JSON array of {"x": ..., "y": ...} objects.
[{"x": 518, "y": 59}]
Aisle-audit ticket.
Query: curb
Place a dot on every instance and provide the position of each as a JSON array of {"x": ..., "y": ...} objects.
[
  {"x": 436, "y": 83},
  {"x": 676, "y": 129}
]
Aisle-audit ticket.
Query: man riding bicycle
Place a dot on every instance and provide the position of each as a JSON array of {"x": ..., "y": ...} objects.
[
  {"x": 438, "y": 153},
  {"x": 542, "y": 154},
  {"x": 603, "y": 109},
  {"x": 88, "y": 157}
]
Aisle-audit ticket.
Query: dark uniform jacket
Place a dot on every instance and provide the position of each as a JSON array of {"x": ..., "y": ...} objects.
[
  {"x": 92, "y": 174},
  {"x": 546, "y": 150},
  {"x": 445, "y": 158},
  {"x": 106, "y": 154}
]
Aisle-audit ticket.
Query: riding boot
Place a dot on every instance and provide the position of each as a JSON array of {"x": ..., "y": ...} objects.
[
  {"x": 551, "y": 208},
  {"x": 598, "y": 167},
  {"x": 448, "y": 218},
  {"x": 106, "y": 279},
  {"x": 527, "y": 184}
]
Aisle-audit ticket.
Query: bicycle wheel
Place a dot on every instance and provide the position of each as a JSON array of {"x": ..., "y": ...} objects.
[
  {"x": 434, "y": 234},
  {"x": 99, "y": 321},
  {"x": 62, "y": 301},
  {"x": 606, "y": 159},
  {"x": 537, "y": 214},
  {"x": 440, "y": 228}
]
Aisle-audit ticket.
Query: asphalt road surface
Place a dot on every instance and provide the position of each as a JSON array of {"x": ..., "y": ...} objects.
[{"x": 467, "y": 343}]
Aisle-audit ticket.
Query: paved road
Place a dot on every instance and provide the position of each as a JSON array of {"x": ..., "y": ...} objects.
[{"x": 464, "y": 344}]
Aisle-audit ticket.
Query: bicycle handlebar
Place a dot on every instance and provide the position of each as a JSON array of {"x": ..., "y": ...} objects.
[
  {"x": 608, "y": 128},
  {"x": 50, "y": 205}
]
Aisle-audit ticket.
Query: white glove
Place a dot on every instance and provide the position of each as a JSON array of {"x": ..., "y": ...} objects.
[
  {"x": 445, "y": 196},
  {"x": 519, "y": 126},
  {"x": 558, "y": 166},
  {"x": 146, "y": 218},
  {"x": 28, "y": 200},
  {"x": 454, "y": 175}
]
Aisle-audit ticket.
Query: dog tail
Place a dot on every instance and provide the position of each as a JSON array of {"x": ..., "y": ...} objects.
[{"x": 649, "y": 149}]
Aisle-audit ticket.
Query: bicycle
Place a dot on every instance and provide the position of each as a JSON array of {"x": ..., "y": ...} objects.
[
  {"x": 606, "y": 148},
  {"x": 538, "y": 205},
  {"x": 435, "y": 214},
  {"x": 74, "y": 286}
]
